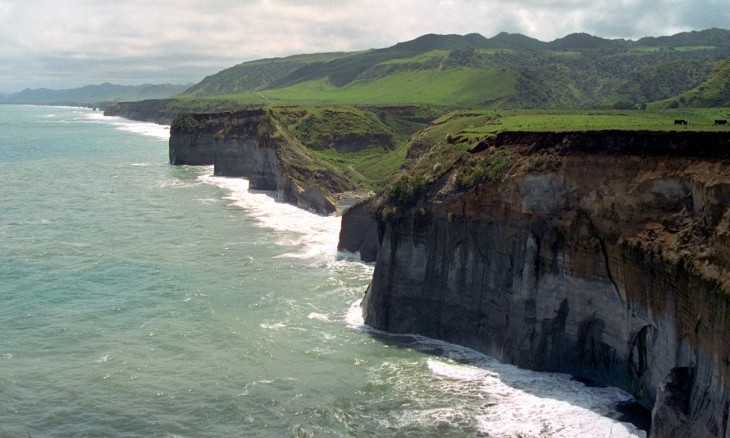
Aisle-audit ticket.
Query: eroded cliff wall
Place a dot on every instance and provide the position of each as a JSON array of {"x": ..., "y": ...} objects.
[
  {"x": 359, "y": 232},
  {"x": 614, "y": 265},
  {"x": 193, "y": 139},
  {"x": 252, "y": 144}
]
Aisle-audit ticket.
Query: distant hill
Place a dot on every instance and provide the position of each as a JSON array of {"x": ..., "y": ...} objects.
[
  {"x": 709, "y": 37},
  {"x": 504, "y": 71},
  {"x": 250, "y": 76},
  {"x": 713, "y": 92},
  {"x": 584, "y": 41},
  {"x": 516, "y": 41},
  {"x": 93, "y": 94}
]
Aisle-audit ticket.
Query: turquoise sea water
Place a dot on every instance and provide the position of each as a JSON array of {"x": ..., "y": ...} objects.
[{"x": 142, "y": 299}]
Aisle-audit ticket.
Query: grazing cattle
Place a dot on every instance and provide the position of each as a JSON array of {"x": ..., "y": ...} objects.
[
  {"x": 720, "y": 122},
  {"x": 680, "y": 122}
]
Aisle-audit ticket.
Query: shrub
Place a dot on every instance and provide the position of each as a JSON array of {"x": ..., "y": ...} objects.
[
  {"x": 545, "y": 163},
  {"x": 490, "y": 168},
  {"x": 184, "y": 122},
  {"x": 405, "y": 190}
]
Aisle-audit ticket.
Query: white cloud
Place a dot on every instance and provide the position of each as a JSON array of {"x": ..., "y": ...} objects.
[{"x": 75, "y": 42}]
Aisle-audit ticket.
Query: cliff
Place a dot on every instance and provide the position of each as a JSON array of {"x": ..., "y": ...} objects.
[
  {"x": 603, "y": 254},
  {"x": 155, "y": 111},
  {"x": 254, "y": 145},
  {"x": 164, "y": 111},
  {"x": 359, "y": 232}
]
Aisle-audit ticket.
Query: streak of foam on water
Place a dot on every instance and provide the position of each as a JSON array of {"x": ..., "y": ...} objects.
[
  {"x": 517, "y": 402},
  {"x": 499, "y": 400},
  {"x": 161, "y": 132},
  {"x": 316, "y": 234}
]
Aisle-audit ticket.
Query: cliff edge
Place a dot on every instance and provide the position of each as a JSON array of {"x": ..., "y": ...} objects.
[{"x": 602, "y": 254}]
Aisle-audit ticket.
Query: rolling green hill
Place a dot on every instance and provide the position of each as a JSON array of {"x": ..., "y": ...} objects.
[
  {"x": 423, "y": 104},
  {"x": 713, "y": 92},
  {"x": 250, "y": 76},
  {"x": 505, "y": 71}
]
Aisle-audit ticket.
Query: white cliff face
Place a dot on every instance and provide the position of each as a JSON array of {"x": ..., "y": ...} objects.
[{"x": 610, "y": 268}]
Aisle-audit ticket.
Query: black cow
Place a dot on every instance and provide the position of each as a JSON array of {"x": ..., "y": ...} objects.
[
  {"x": 720, "y": 122},
  {"x": 680, "y": 122}
]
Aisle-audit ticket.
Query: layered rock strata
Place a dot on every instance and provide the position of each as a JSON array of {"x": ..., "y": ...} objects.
[
  {"x": 611, "y": 264},
  {"x": 252, "y": 144}
]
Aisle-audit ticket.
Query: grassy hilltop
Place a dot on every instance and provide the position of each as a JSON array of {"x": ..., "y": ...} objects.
[
  {"x": 505, "y": 71},
  {"x": 373, "y": 112}
]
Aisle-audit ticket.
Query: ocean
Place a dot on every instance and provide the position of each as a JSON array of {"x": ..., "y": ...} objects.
[{"x": 140, "y": 299}]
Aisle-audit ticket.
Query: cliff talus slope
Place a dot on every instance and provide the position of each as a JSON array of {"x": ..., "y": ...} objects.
[{"x": 611, "y": 261}]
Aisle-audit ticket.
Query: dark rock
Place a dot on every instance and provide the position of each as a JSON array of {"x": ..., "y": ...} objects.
[
  {"x": 359, "y": 232},
  {"x": 250, "y": 144},
  {"x": 613, "y": 267},
  {"x": 672, "y": 406}
]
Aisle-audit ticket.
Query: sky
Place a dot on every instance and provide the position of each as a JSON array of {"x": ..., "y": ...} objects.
[{"x": 70, "y": 43}]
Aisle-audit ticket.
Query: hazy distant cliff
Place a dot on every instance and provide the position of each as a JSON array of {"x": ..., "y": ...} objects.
[
  {"x": 252, "y": 144},
  {"x": 606, "y": 255}
]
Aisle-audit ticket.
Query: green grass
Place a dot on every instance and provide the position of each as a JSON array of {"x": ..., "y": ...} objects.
[
  {"x": 656, "y": 49},
  {"x": 322, "y": 127},
  {"x": 379, "y": 167},
  {"x": 433, "y": 148},
  {"x": 484, "y": 123},
  {"x": 489, "y": 167},
  {"x": 447, "y": 140},
  {"x": 368, "y": 167},
  {"x": 645, "y": 49},
  {"x": 693, "y": 48},
  {"x": 382, "y": 134},
  {"x": 251, "y": 98},
  {"x": 564, "y": 54},
  {"x": 418, "y": 59},
  {"x": 715, "y": 91},
  {"x": 495, "y": 51},
  {"x": 461, "y": 87}
]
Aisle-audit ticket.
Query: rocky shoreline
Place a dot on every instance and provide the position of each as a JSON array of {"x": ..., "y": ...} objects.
[
  {"x": 252, "y": 144},
  {"x": 611, "y": 263}
]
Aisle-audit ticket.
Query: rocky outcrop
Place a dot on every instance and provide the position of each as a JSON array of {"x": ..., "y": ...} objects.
[
  {"x": 611, "y": 263},
  {"x": 359, "y": 232},
  {"x": 253, "y": 145}
]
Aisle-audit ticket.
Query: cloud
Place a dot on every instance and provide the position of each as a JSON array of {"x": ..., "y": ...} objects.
[{"x": 75, "y": 42}]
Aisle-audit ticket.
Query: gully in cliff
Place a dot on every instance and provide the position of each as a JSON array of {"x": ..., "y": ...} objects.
[{"x": 602, "y": 254}]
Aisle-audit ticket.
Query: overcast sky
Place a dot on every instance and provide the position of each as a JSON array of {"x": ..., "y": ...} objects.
[{"x": 70, "y": 43}]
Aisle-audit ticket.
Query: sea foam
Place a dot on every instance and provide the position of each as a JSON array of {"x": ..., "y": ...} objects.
[
  {"x": 517, "y": 402},
  {"x": 148, "y": 129},
  {"x": 315, "y": 235}
]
